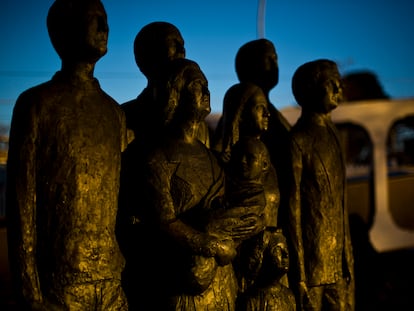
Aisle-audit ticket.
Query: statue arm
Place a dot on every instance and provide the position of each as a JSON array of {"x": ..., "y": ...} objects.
[
  {"x": 349, "y": 257},
  {"x": 21, "y": 202},
  {"x": 295, "y": 222},
  {"x": 199, "y": 242}
]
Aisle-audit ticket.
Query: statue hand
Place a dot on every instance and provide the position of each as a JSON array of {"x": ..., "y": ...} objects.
[
  {"x": 226, "y": 251},
  {"x": 247, "y": 226},
  {"x": 223, "y": 249},
  {"x": 236, "y": 223},
  {"x": 225, "y": 157}
]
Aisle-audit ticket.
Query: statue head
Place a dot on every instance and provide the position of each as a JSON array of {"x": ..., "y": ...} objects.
[
  {"x": 250, "y": 159},
  {"x": 186, "y": 94},
  {"x": 245, "y": 113},
  {"x": 277, "y": 250},
  {"x": 256, "y": 62},
  {"x": 78, "y": 29},
  {"x": 155, "y": 45},
  {"x": 316, "y": 86}
]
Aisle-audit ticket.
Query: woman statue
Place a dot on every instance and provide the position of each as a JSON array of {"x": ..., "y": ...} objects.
[
  {"x": 245, "y": 116},
  {"x": 246, "y": 119},
  {"x": 184, "y": 186}
]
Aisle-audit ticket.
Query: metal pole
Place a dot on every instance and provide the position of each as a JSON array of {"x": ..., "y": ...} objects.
[{"x": 261, "y": 14}]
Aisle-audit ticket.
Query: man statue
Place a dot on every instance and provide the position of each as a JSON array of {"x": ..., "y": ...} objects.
[
  {"x": 66, "y": 140},
  {"x": 155, "y": 46},
  {"x": 322, "y": 251}
]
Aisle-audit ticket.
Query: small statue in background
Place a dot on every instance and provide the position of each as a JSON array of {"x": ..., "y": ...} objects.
[
  {"x": 245, "y": 117},
  {"x": 322, "y": 251},
  {"x": 269, "y": 263},
  {"x": 66, "y": 140},
  {"x": 256, "y": 62}
]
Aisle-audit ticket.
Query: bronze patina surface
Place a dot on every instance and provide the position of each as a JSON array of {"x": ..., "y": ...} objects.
[{"x": 63, "y": 168}]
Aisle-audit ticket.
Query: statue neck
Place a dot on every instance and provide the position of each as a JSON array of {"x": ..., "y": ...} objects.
[
  {"x": 81, "y": 71},
  {"x": 189, "y": 131}
]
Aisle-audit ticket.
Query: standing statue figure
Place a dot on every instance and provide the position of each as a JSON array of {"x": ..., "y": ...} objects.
[
  {"x": 270, "y": 260},
  {"x": 245, "y": 115},
  {"x": 66, "y": 140},
  {"x": 184, "y": 186},
  {"x": 319, "y": 221},
  {"x": 245, "y": 120},
  {"x": 257, "y": 63},
  {"x": 155, "y": 45}
]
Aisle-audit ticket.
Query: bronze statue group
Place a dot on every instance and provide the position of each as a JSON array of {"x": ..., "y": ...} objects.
[{"x": 142, "y": 206}]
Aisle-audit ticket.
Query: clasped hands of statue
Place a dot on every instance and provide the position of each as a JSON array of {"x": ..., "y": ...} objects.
[{"x": 227, "y": 228}]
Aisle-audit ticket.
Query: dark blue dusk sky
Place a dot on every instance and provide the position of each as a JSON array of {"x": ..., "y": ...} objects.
[{"x": 357, "y": 34}]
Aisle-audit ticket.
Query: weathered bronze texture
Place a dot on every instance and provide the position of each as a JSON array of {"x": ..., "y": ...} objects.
[
  {"x": 322, "y": 250},
  {"x": 251, "y": 182},
  {"x": 183, "y": 185},
  {"x": 245, "y": 116},
  {"x": 155, "y": 45},
  {"x": 256, "y": 62},
  {"x": 63, "y": 167},
  {"x": 269, "y": 263}
]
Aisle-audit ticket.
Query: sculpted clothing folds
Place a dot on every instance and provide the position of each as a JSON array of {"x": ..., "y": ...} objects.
[
  {"x": 63, "y": 179},
  {"x": 184, "y": 182},
  {"x": 320, "y": 221}
]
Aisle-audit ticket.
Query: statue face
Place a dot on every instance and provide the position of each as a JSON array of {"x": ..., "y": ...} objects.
[
  {"x": 78, "y": 30},
  {"x": 332, "y": 90},
  {"x": 173, "y": 46},
  {"x": 259, "y": 112},
  {"x": 252, "y": 163},
  {"x": 94, "y": 31},
  {"x": 250, "y": 159},
  {"x": 197, "y": 95},
  {"x": 280, "y": 256},
  {"x": 269, "y": 68}
]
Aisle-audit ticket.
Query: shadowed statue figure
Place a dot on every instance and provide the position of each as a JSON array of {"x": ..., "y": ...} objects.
[
  {"x": 269, "y": 261},
  {"x": 188, "y": 268},
  {"x": 256, "y": 62},
  {"x": 63, "y": 168},
  {"x": 322, "y": 251}
]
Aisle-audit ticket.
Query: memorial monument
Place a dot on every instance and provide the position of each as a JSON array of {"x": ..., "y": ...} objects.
[
  {"x": 322, "y": 257},
  {"x": 66, "y": 140}
]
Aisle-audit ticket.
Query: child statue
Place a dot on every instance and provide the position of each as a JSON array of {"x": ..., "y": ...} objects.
[{"x": 269, "y": 263}]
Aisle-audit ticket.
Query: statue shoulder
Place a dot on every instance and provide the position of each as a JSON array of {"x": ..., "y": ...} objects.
[{"x": 33, "y": 98}]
